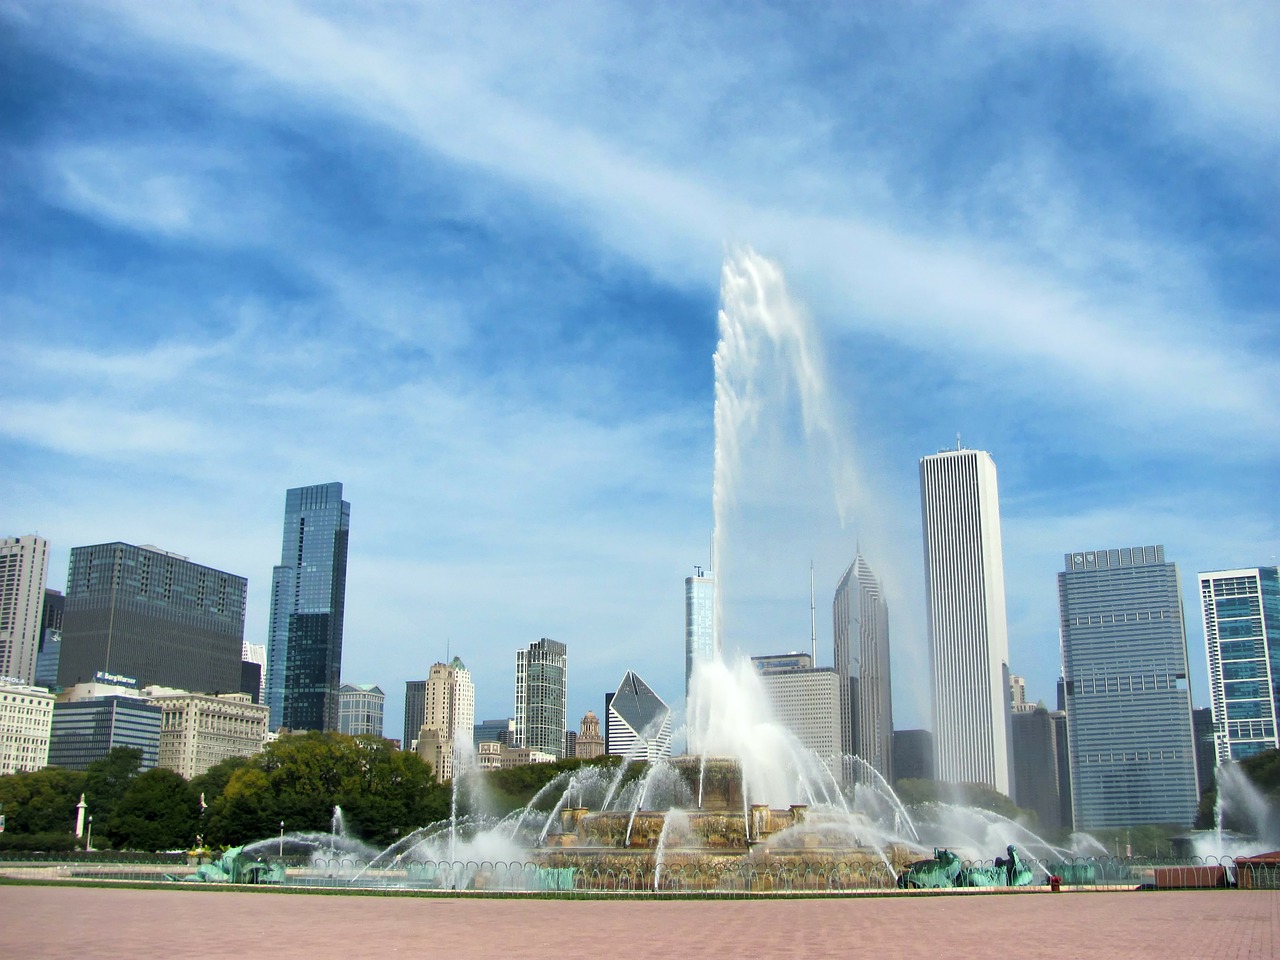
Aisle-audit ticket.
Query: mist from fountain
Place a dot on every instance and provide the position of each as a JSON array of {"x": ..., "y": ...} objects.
[{"x": 1244, "y": 820}]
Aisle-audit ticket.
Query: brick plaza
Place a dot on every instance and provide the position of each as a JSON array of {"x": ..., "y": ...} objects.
[{"x": 66, "y": 921}]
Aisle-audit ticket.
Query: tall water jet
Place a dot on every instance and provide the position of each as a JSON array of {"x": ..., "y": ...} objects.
[{"x": 765, "y": 344}]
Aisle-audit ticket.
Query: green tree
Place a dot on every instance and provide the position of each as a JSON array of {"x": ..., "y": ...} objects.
[
  {"x": 516, "y": 786},
  {"x": 914, "y": 792},
  {"x": 107, "y": 779},
  {"x": 384, "y": 792},
  {"x": 157, "y": 812},
  {"x": 42, "y": 801}
]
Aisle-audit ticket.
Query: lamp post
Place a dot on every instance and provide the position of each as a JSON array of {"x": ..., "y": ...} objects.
[
  {"x": 281, "y": 837},
  {"x": 88, "y": 835}
]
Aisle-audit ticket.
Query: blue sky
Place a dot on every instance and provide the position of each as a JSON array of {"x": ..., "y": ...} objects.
[{"x": 466, "y": 259}]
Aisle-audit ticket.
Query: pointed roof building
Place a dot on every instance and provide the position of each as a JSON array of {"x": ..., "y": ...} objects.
[{"x": 639, "y": 722}]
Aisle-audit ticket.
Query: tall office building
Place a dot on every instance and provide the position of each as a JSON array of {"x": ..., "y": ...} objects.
[
  {"x": 1124, "y": 658},
  {"x": 913, "y": 755},
  {"x": 968, "y": 635},
  {"x": 805, "y": 700},
  {"x": 861, "y": 630},
  {"x": 415, "y": 711},
  {"x": 699, "y": 623},
  {"x": 1206, "y": 748},
  {"x": 542, "y": 690},
  {"x": 308, "y": 595},
  {"x": 50, "y": 638},
  {"x": 639, "y": 721},
  {"x": 24, "y": 567},
  {"x": 449, "y": 717},
  {"x": 1241, "y": 610},
  {"x": 360, "y": 709},
  {"x": 256, "y": 653},
  {"x": 153, "y": 616},
  {"x": 87, "y": 730}
]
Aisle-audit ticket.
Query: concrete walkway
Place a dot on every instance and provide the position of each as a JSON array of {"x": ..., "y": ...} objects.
[{"x": 93, "y": 922}]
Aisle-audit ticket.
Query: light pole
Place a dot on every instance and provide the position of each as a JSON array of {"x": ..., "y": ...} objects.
[
  {"x": 88, "y": 836},
  {"x": 281, "y": 837}
]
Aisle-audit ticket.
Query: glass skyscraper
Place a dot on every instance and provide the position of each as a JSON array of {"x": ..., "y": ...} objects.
[
  {"x": 542, "y": 689},
  {"x": 1242, "y": 639},
  {"x": 968, "y": 634},
  {"x": 1124, "y": 659},
  {"x": 860, "y": 622},
  {"x": 308, "y": 594}
]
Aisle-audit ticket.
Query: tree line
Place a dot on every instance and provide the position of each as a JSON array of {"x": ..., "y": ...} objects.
[{"x": 384, "y": 793}]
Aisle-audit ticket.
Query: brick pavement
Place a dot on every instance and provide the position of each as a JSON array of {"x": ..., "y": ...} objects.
[{"x": 82, "y": 922}]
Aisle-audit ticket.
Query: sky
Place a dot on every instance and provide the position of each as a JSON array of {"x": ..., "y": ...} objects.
[{"x": 466, "y": 259}]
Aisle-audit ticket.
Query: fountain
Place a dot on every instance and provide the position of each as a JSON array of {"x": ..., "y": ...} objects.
[{"x": 748, "y": 807}]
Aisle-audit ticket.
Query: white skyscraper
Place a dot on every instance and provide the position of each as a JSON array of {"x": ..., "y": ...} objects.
[
  {"x": 24, "y": 565},
  {"x": 449, "y": 716},
  {"x": 968, "y": 635},
  {"x": 860, "y": 621},
  {"x": 699, "y": 622}
]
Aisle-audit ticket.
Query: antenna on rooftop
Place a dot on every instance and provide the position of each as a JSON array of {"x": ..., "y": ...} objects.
[{"x": 813, "y": 618}]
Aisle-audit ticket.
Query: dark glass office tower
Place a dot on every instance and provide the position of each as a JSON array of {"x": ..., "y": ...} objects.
[
  {"x": 153, "y": 616},
  {"x": 308, "y": 591}
]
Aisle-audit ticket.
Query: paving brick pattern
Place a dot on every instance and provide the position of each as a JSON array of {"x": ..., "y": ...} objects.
[{"x": 92, "y": 922}]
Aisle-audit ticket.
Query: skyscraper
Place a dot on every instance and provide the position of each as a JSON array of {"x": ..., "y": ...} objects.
[
  {"x": 861, "y": 630},
  {"x": 449, "y": 716},
  {"x": 542, "y": 688},
  {"x": 968, "y": 636},
  {"x": 699, "y": 622},
  {"x": 154, "y": 616},
  {"x": 24, "y": 566},
  {"x": 308, "y": 594},
  {"x": 1241, "y": 610},
  {"x": 805, "y": 700},
  {"x": 1124, "y": 657},
  {"x": 415, "y": 711},
  {"x": 639, "y": 721}
]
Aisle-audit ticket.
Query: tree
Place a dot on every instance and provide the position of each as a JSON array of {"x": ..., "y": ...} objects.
[
  {"x": 107, "y": 779},
  {"x": 42, "y": 801},
  {"x": 299, "y": 779},
  {"x": 157, "y": 812},
  {"x": 913, "y": 792}
]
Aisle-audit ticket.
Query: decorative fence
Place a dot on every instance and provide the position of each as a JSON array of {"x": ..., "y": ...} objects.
[{"x": 741, "y": 878}]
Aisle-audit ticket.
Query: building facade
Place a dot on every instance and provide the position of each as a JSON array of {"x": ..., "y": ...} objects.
[
  {"x": 360, "y": 709},
  {"x": 87, "y": 730},
  {"x": 639, "y": 721},
  {"x": 152, "y": 615},
  {"x": 495, "y": 731},
  {"x": 24, "y": 567},
  {"x": 542, "y": 691},
  {"x": 968, "y": 635},
  {"x": 590, "y": 741},
  {"x": 860, "y": 621},
  {"x": 198, "y": 731},
  {"x": 1241, "y": 610},
  {"x": 448, "y": 724},
  {"x": 415, "y": 711},
  {"x": 805, "y": 700},
  {"x": 308, "y": 600},
  {"x": 1035, "y": 765},
  {"x": 492, "y": 755},
  {"x": 699, "y": 623},
  {"x": 1124, "y": 657},
  {"x": 26, "y": 722},
  {"x": 913, "y": 755}
]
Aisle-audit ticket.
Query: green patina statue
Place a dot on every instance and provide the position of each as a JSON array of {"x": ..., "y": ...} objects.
[
  {"x": 945, "y": 870},
  {"x": 235, "y": 866}
]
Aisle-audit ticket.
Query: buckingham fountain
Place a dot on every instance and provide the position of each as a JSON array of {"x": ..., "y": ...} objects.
[{"x": 748, "y": 807}]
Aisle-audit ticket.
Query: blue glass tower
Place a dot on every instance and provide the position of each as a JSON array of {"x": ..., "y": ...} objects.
[
  {"x": 1242, "y": 638},
  {"x": 1124, "y": 657},
  {"x": 308, "y": 592}
]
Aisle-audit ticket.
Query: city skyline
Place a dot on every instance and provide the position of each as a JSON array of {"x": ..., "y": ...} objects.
[{"x": 230, "y": 267}]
